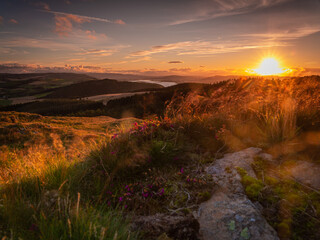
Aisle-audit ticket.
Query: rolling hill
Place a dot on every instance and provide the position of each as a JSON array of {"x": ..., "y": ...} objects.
[{"x": 99, "y": 87}]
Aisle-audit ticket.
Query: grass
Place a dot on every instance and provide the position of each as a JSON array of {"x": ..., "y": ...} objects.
[
  {"x": 4, "y": 102},
  {"x": 147, "y": 168},
  {"x": 72, "y": 177}
]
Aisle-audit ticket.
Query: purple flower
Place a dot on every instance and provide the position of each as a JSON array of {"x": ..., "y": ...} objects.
[
  {"x": 181, "y": 170},
  {"x": 145, "y": 195},
  {"x": 120, "y": 199},
  {"x": 161, "y": 192}
]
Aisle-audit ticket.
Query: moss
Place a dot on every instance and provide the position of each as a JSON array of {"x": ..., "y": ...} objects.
[
  {"x": 271, "y": 181},
  {"x": 295, "y": 199},
  {"x": 253, "y": 187},
  {"x": 284, "y": 229},
  {"x": 204, "y": 196},
  {"x": 228, "y": 170},
  {"x": 253, "y": 190},
  {"x": 241, "y": 171}
]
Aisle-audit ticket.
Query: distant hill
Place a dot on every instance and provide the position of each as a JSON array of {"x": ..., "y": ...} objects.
[
  {"x": 165, "y": 78},
  {"x": 99, "y": 87},
  {"x": 31, "y": 84}
]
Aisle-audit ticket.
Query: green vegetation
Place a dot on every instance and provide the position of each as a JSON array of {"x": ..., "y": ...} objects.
[
  {"x": 5, "y": 102},
  {"x": 65, "y": 177}
]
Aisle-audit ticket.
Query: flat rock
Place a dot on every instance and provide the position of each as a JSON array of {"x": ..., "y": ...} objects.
[
  {"x": 229, "y": 214},
  {"x": 306, "y": 173},
  {"x": 177, "y": 226}
]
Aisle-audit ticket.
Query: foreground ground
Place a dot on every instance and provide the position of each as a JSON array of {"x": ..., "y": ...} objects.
[{"x": 101, "y": 178}]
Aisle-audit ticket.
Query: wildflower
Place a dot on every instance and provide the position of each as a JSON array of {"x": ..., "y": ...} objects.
[
  {"x": 113, "y": 152},
  {"x": 120, "y": 199},
  {"x": 145, "y": 195},
  {"x": 161, "y": 192},
  {"x": 181, "y": 170}
]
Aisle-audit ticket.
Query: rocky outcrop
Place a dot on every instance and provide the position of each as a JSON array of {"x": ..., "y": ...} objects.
[
  {"x": 306, "y": 173},
  {"x": 165, "y": 226},
  {"x": 229, "y": 214}
]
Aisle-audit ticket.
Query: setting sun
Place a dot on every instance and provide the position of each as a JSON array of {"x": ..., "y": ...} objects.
[{"x": 269, "y": 66}]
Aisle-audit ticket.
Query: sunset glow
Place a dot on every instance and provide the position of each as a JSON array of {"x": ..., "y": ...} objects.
[
  {"x": 202, "y": 38},
  {"x": 269, "y": 66}
]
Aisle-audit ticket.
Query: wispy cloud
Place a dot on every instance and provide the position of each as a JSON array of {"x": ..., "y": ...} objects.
[
  {"x": 64, "y": 23},
  {"x": 42, "y": 5},
  {"x": 88, "y": 18},
  {"x": 175, "y": 62},
  {"x": 202, "y": 48},
  {"x": 1, "y": 19},
  {"x": 286, "y": 35},
  {"x": 99, "y": 52},
  {"x": 13, "y": 21},
  {"x": 238, "y": 43},
  {"x": 220, "y": 8},
  {"x": 180, "y": 69}
]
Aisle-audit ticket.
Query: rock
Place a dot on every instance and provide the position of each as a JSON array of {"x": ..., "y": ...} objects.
[
  {"x": 229, "y": 214},
  {"x": 306, "y": 173},
  {"x": 159, "y": 226}
]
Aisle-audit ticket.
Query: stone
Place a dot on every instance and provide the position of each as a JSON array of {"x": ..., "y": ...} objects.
[
  {"x": 306, "y": 173},
  {"x": 229, "y": 214},
  {"x": 176, "y": 226}
]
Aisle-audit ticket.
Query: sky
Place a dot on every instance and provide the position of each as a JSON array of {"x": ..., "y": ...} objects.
[{"x": 186, "y": 37}]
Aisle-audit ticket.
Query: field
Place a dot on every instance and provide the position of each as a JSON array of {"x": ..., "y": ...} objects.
[{"x": 67, "y": 177}]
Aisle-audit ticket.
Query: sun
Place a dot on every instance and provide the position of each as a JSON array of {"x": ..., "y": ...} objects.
[{"x": 269, "y": 66}]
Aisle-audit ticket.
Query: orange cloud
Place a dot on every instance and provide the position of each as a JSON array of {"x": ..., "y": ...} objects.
[
  {"x": 119, "y": 21},
  {"x": 13, "y": 21},
  {"x": 180, "y": 69},
  {"x": 64, "y": 23}
]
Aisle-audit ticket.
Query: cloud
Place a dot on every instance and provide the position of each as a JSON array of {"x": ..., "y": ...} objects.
[
  {"x": 43, "y": 6},
  {"x": 119, "y": 21},
  {"x": 210, "y": 9},
  {"x": 1, "y": 19},
  {"x": 99, "y": 52},
  {"x": 175, "y": 62},
  {"x": 235, "y": 44},
  {"x": 180, "y": 69},
  {"x": 64, "y": 23},
  {"x": 13, "y": 21},
  {"x": 88, "y": 18},
  {"x": 286, "y": 35},
  {"x": 163, "y": 48},
  {"x": 91, "y": 34},
  {"x": 203, "y": 47}
]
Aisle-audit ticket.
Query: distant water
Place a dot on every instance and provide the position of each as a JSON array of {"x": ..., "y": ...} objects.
[{"x": 165, "y": 84}]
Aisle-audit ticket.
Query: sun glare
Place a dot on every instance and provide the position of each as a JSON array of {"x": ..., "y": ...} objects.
[{"x": 269, "y": 66}]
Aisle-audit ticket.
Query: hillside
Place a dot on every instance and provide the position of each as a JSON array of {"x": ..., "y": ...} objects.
[
  {"x": 99, "y": 87},
  {"x": 30, "y": 84},
  {"x": 235, "y": 160}
]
